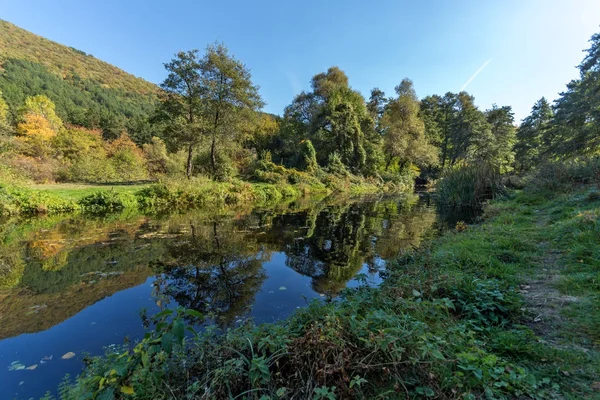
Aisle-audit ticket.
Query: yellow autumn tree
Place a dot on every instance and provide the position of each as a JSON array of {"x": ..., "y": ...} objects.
[
  {"x": 42, "y": 106},
  {"x": 38, "y": 125}
]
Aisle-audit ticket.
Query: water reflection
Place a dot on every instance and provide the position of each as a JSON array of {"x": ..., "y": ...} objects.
[
  {"x": 77, "y": 284},
  {"x": 54, "y": 268}
]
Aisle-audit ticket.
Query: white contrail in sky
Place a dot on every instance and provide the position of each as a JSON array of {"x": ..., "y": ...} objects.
[{"x": 475, "y": 74}]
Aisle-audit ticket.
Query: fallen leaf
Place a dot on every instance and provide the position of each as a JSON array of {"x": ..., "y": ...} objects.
[
  {"x": 32, "y": 367},
  {"x": 127, "y": 390},
  {"x": 16, "y": 366},
  {"x": 282, "y": 288},
  {"x": 68, "y": 355}
]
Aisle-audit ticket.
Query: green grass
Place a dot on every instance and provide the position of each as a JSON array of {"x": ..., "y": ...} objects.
[
  {"x": 457, "y": 319},
  {"x": 76, "y": 191}
]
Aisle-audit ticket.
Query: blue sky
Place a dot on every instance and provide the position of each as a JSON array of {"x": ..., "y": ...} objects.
[{"x": 522, "y": 49}]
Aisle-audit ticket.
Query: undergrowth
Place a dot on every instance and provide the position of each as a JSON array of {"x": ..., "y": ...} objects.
[{"x": 450, "y": 321}]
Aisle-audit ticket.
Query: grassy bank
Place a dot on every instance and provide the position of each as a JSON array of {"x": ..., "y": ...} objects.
[
  {"x": 272, "y": 185},
  {"x": 505, "y": 309}
]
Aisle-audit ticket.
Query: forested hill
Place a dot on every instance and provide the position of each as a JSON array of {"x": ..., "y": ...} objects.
[{"x": 87, "y": 91}]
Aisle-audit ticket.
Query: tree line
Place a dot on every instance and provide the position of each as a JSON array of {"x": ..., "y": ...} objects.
[{"x": 207, "y": 121}]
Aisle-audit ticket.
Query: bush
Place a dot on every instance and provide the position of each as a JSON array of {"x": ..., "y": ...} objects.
[
  {"x": 564, "y": 176},
  {"x": 18, "y": 201},
  {"x": 225, "y": 168},
  {"x": 105, "y": 202},
  {"x": 41, "y": 170},
  {"x": 469, "y": 186},
  {"x": 89, "y": 168}
]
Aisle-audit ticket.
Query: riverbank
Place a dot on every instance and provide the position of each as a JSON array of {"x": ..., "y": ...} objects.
[
  {"x": 508, "y": 308},
  {"x": 169, "y": 195}
]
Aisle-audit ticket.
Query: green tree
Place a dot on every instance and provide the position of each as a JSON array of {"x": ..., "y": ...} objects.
[
  {"x": 3, "y": 110},
  {"x": 533, "y": 140},
  {"x": 403, "y": 130},
  {"x": 181, "y": 104},
  {"x": 228, "y": 97},
  {"x": 336, "y": 120},
  {"x": 5, "y": 128},
  {"x": 496, "y": 147},
  {"x": 438, "y": 114},
  {"x": 575, "y": 128}
]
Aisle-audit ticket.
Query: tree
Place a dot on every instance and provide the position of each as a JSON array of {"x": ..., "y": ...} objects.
[
  {"x": 228, "y": 96},
  {"x": 496, "y": 148},
  {"x": 181, "y": 104},
  {"x": 376, "y": 104},
  {"x": 404, "y": 131},
  {"x": 533, "y": 141},
  {"x": 576, "y": 124},
  {"x": 438, "y": 113},
  {"x": 38, "y": 124},
  {"x": 334, "y": 117},
  {"x": 5, "y": 128},
  {"x": 41, "y": 106},
  {"x": 3, "y": 110}
]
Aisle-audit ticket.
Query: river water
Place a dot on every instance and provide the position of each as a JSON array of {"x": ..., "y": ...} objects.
[{"x": 76, "y": 285}]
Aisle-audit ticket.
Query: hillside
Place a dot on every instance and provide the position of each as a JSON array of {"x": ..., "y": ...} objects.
[
  {"x": 66, "y": 62},
  {"x": 86, "y": 90}
]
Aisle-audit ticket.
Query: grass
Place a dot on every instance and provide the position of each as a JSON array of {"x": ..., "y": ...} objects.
[
  {"x": 505, "y": 309},
  {"x": 77, "y": 191},
  {"x": 173, "y": 194}
]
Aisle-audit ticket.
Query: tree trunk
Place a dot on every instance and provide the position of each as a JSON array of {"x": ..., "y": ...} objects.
[
  {"x": 213, "y": 156},
  {"x": 189, "y": 162},
  {"x": 388, "y": 162}
]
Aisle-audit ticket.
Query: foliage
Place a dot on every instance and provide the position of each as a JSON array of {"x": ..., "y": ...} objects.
[
  {"x": 404, "y": 131},
  {"x": 78, "y": 101},
  {"x": 19, "y": 201},
  {"x": 533, "y": 136},
  {"x": 564, "y": 176},
  {"x": 107, "y": 201},
  {"x": 464, "y": 134},
  {"x": 204, "y": 98},
  {"x": 335, "y": 119},
  {"x": 575, "y": 127},
  {"x": 20, "y": 44},
  {"x": 469, "y": 186}
]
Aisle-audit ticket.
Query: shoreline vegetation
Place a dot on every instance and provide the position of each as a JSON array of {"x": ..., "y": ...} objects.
[
  {"x": 507, "y": 308},
  {"x": 180, "y": 195}
]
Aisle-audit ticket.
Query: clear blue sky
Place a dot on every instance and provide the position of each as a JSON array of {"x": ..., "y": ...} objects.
[{"x": 528, "y": 48}]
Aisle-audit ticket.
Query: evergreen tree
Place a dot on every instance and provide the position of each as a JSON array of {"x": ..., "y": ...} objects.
[
  {"x": 533, "y": 136},
  {"x": 576, "y": 125}
]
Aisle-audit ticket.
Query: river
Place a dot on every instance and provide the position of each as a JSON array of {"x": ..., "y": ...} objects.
[{"x": 74, "y": 285}]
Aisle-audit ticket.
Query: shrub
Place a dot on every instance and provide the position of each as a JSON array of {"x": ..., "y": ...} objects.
[
  {"x": 107, "y": 201},
  {"x": 469, "y": 186},
  {"x": 224, "y": 166},
  {"x": 18, "y": 201},
  {"x": 564, "y": 176},
  {"x": 41, "y": 170}
]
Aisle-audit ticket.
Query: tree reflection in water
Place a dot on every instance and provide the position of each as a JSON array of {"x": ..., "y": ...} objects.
[
  {"x": 217, "y": 268},
  {"x": 213, "y": 264}
]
